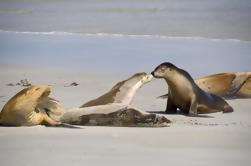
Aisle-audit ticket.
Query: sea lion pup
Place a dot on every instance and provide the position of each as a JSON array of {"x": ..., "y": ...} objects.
[
  {"x": 184, "y": 94},
  {"x": 227, "y": 85},
  {"x": 114, "y": 114},
  {"x": 123, "y": 92},
  {"x": 28, "y": 108}
]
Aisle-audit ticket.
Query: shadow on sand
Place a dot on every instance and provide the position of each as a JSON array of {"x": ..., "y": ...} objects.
[
  {"x": 57, "y": 126},
  {"x": 180, "y": 113}
]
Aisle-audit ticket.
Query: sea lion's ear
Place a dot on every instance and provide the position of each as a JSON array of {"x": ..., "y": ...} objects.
[{"x": 239, "y": 80}]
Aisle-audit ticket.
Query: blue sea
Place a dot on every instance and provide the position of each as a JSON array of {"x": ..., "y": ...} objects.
[{"x": 126, "y": 36}]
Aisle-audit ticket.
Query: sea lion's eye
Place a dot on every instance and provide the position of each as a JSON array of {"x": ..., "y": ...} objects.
[{"x": 169, "y": 69}]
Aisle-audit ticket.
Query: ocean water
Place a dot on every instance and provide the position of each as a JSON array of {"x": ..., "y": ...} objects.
[
  {"x": 220, "y": 19},
  {"x": 127, "y": 36},
  {"x": 123, "y": 55}
]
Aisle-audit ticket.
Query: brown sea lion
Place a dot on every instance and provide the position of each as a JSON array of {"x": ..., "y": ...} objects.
[
  {"x": 123, "y": 92},
  {"x": 227, "y": 85},
  {"x": 31, "y": 106},
  {"x": 183, "y": 93},
  {"x": 115, "y": 114}
]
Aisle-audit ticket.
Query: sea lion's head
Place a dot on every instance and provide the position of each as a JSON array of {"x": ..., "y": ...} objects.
[
  {"x": 143, "y": 77},
  {"x": 164, "y": 70},
  {"x": 139, "y": 79}
]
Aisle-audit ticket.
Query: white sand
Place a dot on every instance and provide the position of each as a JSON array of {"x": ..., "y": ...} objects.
[{"x": 221, "y": 140}]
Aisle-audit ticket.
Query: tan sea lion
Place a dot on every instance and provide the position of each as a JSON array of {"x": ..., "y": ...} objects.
[
  {"x": 227, "y": 85},
  {"x": 115, "y": 114},
  {"x": 123, "y": 92},
  {"x": 31, "y": 106},
  {"x": 183, "y": 93}
]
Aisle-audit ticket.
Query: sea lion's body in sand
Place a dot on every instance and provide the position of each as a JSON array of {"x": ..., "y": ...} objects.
[
  {"x": 31, "y": 106},
  {"x": 227, "y": 85},
  {"x": 115, "y": 114},
  {"x": 184, "y": 94},
  {"x": 123, "y": 92}
]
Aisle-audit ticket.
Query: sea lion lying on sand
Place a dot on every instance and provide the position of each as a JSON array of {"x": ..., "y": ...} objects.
[
  {"x": 113, "y": 115},
  {"x": 112, "y": 108},
  {"x": 184, "y": 94},
  {"x": 31, "y": 106},
  {"x": 227, "y": 85},
  {"x": 123, "y": 92}
]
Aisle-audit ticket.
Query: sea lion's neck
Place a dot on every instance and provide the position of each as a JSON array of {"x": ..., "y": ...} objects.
[
  {"x": 126, "y": 92},
  {"x": 170, "y": 82}
]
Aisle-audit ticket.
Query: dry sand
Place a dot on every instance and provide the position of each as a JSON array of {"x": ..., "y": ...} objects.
[{"x": 223, "y": 139}]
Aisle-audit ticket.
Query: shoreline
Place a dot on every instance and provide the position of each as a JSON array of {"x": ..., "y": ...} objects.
[{"x": 126, "y": 35}]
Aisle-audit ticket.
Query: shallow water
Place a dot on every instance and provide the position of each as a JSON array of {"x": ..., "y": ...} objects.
[
  {"x": 221, "y": 19},
  {"x": 123, "y": 55}
]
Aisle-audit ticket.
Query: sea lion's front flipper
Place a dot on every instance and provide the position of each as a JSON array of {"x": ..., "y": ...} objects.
[
  {"x": 52, "y": 108},
  {"x": 239, "y": 80},
  {"x": 193, "y": 107}
]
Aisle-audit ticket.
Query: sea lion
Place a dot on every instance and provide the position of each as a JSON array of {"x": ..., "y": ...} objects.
[
  {"x": 123, "y": 92},
  {"x": 52, "y": 107},
  {"x": 31, "y": 106},
  {"x": 114, "y": 114},
  {"x": 227, "y": 85},
  {"x": 183, "y": 93}
]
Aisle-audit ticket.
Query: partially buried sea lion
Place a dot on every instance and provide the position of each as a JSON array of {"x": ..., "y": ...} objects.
[
  {"x": 183, "y": 93},
  {"x": 31, "y": 106},
  {"x": 115, "y": 114},
  {"x": 227, "y": 85},
  {"x": 123, "y": 92}
]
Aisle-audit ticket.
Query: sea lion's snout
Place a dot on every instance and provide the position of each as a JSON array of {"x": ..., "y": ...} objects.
[
  {"x": 157, "y": 74},
  {"x": 149, "y": 77}
]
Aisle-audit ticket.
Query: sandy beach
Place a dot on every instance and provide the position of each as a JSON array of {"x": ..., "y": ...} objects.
[{"x": 223, "y": 139}]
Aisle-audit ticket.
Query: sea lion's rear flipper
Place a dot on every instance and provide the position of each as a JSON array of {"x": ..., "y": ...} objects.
[
  {"x": 64, "y": 125},
  {"x": 228, "y": 109},
  {"x": 163, "y": 96},
  {"x": 239, "y": 80}
]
